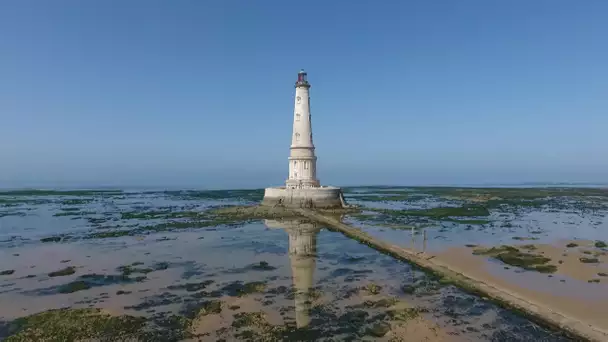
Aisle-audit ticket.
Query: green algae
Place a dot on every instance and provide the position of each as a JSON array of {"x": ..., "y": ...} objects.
[
  {"x": 380, "y": 303},
  {"x": 408, "y": 289},
  {"x": 198, "y": 310},
  {"x": 73, "y": 325},
  {"x": 363, "y": 216},
  {"x": 589, "y": 260},
  {"x": 381, "y": 198},
  {"x": 528, "y": 247},
  {"x": 255, "y": 195},
  {"x": 162, "y": 214},
  {"x": 473, "y": 222},
  {"x": 126, "y": 270},
  {"x": 601, "y": 244},
  {"x": 36, "y": 192},
  {"x": 7, "y": 272},
  {"x": 227, "y": 216},
  {"x": 110, "y": 234},
  {"x": 251, "y": 287},
  {"x": 74, "y": 213},
  {"x": 240, "y": 289},
  {"x": 404, "y": 314},
  {"x": 245, "y": 213},
  {"x": 524, "y": 238},
  {"x": 514, "y": 199},
  {"x": 571, "y": 245},
  {"x": 233, "y": 216},
  {"x": 11, "y": 202},
  {"x": 63, "y": 272},
  {"x": 70, "y": 209},
  {"x": 442, "y": 212},
  {"x": 163, "y": 265},
  {"x": 262, "y": 266},
  {"x": 75, "y": 286},
  {"x": 249, "y": 319},
  {"x": 178, "y": 225},
  {"x": 191, "y": 287},
  {"x": 372, "y": 288},
  {"x": 51, "y": 239},
  {"x": 87, "y": 281},
  {"x": 15, "y": 213},
  {"x": 379, "y": 329},
  {"x": 398, "y": 226},
  {"x": 512, "y": 193},
  {"x": 129, "y": 269},
  {"x": 77, "y": 201},
  {"x": 514, "y": 257}
]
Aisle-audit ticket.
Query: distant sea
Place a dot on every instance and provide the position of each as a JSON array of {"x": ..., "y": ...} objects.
[{"x": 470, "y": 185}]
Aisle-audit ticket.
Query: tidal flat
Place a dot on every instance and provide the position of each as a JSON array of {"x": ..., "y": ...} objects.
[
  {"x": 543, "y": 244},
  {"x": 165, "y": 266}
]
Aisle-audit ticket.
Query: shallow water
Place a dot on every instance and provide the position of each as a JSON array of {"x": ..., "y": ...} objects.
[
  {"x": 505, "y": 225},
  {"x": 310, "y": 281},
  {"x": 575, "y": 288}
]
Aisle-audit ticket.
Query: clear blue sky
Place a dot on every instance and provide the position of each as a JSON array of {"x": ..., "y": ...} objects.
[{"x": 200, "y": 93}]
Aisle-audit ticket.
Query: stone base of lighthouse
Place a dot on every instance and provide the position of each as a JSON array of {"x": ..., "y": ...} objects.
[{"x": 323, "y": 197}]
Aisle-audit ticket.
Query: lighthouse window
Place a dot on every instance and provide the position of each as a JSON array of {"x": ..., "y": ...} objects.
[
  {"x": 305, "y": 165},
  {"x": 297, "y": 116},
  {"x": 298, "y": 99},
  {"x": 297, "y": 136}
]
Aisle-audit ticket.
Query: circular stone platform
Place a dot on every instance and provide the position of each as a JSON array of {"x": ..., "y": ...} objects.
[{"x": 324, "y": 197}]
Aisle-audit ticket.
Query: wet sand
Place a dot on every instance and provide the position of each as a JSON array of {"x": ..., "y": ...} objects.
[
  {"x": 575, "y": 297},
  {"x": 568, "y": 261}
]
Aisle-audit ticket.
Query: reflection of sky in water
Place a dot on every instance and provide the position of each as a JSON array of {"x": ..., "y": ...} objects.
[
  {"x": 39, "y": 221},
  {"x": 419, "y": 203},
  {"x": 544, "y": 225}
]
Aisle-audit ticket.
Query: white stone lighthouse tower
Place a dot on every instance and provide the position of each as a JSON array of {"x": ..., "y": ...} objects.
[
  {"x": 302, "y": 159},
  {"x": 302, "y": 188}
]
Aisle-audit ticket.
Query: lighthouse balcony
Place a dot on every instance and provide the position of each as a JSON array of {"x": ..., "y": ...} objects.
[{"x": 303, "y": 84}]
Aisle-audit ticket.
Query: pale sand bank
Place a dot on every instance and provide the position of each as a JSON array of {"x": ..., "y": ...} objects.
[{"x": 575, "y": 297}]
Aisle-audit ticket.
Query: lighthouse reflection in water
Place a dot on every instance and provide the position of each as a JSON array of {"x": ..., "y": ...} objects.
[{"x": 302, "y": 255}]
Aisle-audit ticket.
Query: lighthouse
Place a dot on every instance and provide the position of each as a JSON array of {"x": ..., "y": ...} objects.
[
  {"x": 302, "y": 159},
  {"x": 302, "y": 188}
]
